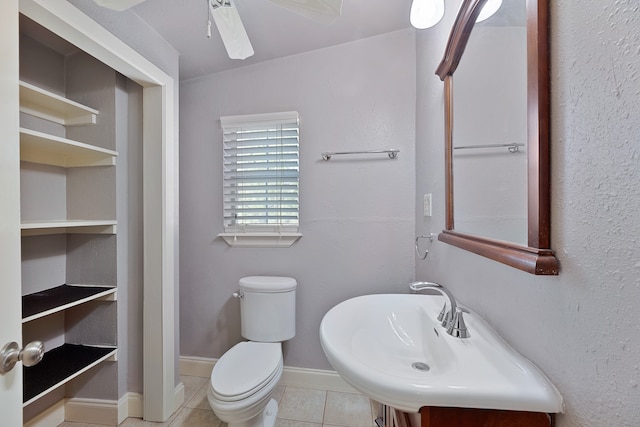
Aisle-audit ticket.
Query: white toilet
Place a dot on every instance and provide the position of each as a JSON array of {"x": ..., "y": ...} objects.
[{"x": 245, "y": 377}]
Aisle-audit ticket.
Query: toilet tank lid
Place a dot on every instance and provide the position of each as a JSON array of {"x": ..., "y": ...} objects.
[{"x": 268, "y": 284}]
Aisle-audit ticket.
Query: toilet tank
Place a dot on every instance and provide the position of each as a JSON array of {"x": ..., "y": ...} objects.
[{"x": 268, "y": 308}]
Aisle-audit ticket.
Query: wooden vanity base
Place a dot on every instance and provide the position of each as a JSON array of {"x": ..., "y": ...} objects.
[{"x": 465, "y": 417}]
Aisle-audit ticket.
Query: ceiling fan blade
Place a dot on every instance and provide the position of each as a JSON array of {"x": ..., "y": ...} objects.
[
  {"x": 231, "y": 30},
  {"x": 118, "y": 5},
  {"x": 323, "y": 11}
]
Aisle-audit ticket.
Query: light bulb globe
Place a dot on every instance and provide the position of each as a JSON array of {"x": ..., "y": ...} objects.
[{"x": 426, "y": 13}]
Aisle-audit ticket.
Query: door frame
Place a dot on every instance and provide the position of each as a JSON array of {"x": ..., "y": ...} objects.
[
  {"x": 10, "y": 310},
  {"x": 160, "y": 190}
]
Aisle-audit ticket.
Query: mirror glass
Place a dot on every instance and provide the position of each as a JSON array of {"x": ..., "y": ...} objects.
[
  {"x": 490, "y": 128},
  {"x": 497, "y": 153}
]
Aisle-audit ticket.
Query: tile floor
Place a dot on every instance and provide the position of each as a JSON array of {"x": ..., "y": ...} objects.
[{"x": 298, "y": 407}]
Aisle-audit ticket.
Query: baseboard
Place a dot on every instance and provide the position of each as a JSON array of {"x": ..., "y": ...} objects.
[
  {"x": 196, "y": 366},
  {"x": 293, "y": 377},
  {"x": 130, "y": 405},
  {"x": 95, "y": 411},
  {"x": 92, "y": 411},
  {"x": 315, "y": 378},
  {"x": 50, "y": 417},
  {"x": 178, "y": 397}
]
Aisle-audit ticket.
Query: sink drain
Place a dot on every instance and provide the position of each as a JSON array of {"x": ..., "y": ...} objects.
[{"x": 420, "y": 366}]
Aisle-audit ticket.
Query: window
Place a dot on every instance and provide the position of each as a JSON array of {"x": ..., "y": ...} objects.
[{"x": 261, "y": 188}]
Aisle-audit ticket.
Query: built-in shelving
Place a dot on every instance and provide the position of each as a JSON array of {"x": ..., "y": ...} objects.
[
  {"x": 59, "y": 366},
  {"x": 42, "y": 148},
  {"x": 42, "y": 228},
  {"x": 54, "y": 300},
  {"x": 78, "y": 200},
  {"x": 47, "y": 105}
]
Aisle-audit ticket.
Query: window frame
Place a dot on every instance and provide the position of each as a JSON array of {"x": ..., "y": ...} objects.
[{"x": 267, "y": 165}]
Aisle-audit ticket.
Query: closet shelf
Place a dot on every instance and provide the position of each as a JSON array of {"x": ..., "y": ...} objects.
[
  {"x": 54, "y": 300},
  {"x": 55, "y": 108},
  {"x": 42, "y": 228},
  {"x": 38, "y": 147},
  {"x": 59, "y": 366}
]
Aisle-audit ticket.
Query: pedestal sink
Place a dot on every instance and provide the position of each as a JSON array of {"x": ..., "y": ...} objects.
[{"x": 392, "y": 348}]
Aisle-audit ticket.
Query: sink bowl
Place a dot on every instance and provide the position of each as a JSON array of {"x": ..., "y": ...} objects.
[{"x": 392, "y": 348}]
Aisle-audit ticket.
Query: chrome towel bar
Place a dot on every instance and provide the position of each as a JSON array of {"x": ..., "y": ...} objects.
[
  {"x": 513, "y": 147},
  {"x": 392, "y": 153}
]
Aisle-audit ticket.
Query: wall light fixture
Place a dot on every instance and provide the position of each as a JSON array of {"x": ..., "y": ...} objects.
[{"x": 427, "y": 13}]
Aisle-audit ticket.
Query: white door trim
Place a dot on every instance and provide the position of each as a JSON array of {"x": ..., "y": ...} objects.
[
  {"x": 10, "y": 313},
  {"x": 160, "y": 192}
]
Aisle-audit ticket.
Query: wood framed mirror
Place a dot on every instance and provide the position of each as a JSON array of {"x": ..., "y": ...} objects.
[{"x": 534, "y": 256}]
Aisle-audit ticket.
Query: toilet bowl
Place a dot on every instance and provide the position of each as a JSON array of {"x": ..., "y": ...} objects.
[
  {"x": 245, "y": 377},
  {"x": 242, "y": 383}
]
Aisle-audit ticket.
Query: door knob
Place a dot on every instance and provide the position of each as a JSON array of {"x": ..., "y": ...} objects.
[{"x": 30, "y": 355}]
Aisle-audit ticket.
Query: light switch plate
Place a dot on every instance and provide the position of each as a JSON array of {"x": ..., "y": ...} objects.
[{"x": 427, "y": 204}]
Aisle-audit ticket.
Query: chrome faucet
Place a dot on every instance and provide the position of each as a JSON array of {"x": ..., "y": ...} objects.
[{"x": 452, "y": 320}]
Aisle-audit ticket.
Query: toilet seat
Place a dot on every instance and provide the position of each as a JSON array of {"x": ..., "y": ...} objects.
[{"x": 245, "y": 369}]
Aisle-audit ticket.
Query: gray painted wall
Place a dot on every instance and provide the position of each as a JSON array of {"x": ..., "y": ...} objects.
[
  {"x": 581, "y": 327},
  {"x": 357, "y": 214},
  {"x": 131, "y": 29}
]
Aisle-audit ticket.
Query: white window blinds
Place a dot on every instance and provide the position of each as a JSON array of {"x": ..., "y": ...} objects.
[{"x": 261, "y": 167}]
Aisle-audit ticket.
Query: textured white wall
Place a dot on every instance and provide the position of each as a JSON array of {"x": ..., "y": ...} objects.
[
  {"x": 582, "y": 328},
  {"x": 357, "y": 214}
]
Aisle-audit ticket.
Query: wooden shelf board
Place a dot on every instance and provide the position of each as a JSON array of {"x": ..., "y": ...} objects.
[
  {"x": 50, "y": 106},
  {"x": 59, "y": 366},
  {"x": 41, "y": 228},
  {"x": 38, "y": 147},
  {"x": 50, "y": 301}
]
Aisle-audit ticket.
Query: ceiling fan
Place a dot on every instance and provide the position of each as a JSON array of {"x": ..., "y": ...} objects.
[{"x": 229, "y": 24}]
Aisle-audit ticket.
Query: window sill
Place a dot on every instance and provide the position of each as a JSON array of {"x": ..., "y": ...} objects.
[{"x": 260, "y": 240}]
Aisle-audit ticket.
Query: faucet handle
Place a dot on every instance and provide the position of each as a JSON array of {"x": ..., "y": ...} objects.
[
  {"x": 447, "y": 317},
  {"x": 442, "y": 313},
  {"x": 457, "y": 328},
  {"x": 416, "y": 287}
]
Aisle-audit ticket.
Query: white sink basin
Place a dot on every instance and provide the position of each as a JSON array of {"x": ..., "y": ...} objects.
[{"x": 392, "y": 348}]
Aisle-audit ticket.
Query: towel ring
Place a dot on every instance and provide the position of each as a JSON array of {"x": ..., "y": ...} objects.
[{"x": 426, "y": 252}]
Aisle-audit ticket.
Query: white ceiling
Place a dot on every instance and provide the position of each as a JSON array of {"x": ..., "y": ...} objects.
[{"x": 274, "y": 32}]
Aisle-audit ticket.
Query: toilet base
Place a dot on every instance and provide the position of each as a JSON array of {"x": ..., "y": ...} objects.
[
  {"x": 266, "y": 419},
  {"x": 270, "y": 413}
]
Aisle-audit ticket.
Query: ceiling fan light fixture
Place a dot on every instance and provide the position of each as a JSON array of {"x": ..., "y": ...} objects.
[
  {"x": 322, "y": 11},
  {"x": 489, "y": 9},
  {"x": 232, "y": 32},
  {"x": 117, "y": 5},
  {"x": 426, "y": 13}
]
